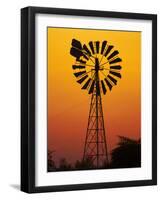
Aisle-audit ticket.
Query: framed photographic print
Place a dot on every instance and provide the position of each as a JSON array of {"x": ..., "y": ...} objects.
[{"x": 88, "y": 99}]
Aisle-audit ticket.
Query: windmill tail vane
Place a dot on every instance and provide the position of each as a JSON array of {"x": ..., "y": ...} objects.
[{"x": 97, "y": 69}]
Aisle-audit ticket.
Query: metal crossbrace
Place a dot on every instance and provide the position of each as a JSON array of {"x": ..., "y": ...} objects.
[{"x": 95, "y": 142}]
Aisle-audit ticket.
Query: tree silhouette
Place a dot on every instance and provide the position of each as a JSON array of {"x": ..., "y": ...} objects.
[
  {"x": 64, "y": 165},
  {"x": 51, "y": 163},
  {"x": 127, "y": 153},
  {"x": 84, "y": 164}
]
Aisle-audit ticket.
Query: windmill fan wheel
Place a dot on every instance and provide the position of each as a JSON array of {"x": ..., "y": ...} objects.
[{"x": 97, "y": 65}]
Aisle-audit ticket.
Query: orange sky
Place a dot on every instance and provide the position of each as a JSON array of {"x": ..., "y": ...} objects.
[{"x": 68, "y": 105}]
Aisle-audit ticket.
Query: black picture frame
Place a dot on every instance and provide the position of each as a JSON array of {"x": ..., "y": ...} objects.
[{"x": 28, "y": 98}]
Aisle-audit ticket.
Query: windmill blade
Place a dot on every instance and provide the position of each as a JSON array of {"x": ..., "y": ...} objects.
[
  {"x": 91, "y": 46},
  {"x": 82, "y": 79},
  {"x": 76, "y": 52},
  {"x": 77, "y": 74},
  {"x": 103, "y": 87},
  {"x": 108, "y": 84},
  {"x": 112, "y": 79},
  {"x": 112, "y": 55},
  {"x": 81, "y": 61},
  {"x": 110, "y": 47},
  {"x": 103, "y": 46},
  {"x": 86, "y": 84},
  {"x": 87, "y": 50},
  {"x": 78, "y": 67},
  {"x": 86, "y": 57},
  {"x": 116, "y": 67},
  {"x": 97, "y": 88},
  {"x": 97, "y": 46},
  {"x": 77, "y": 44},
  {"x": 115, "y": 74},
  {"x": 115, "y": 60},
  {"x": 91, "y": 87}
]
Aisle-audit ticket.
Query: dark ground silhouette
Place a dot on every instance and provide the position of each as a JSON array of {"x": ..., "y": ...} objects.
[{"x": 126, "y": 154}]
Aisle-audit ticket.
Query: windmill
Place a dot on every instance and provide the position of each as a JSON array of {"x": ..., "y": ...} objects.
[{"x": 97, "y": 68}]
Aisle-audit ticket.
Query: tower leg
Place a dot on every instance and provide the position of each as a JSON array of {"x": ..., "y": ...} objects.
[{"x": 95, "y": 148}]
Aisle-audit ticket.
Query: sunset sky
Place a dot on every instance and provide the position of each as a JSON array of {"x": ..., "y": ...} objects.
[{"x": 68, "y": 105}]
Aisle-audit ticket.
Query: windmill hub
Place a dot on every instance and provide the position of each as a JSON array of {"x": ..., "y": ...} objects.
[{"x": 97, "y": 65}]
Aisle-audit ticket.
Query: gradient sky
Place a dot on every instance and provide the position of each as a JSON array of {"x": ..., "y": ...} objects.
[{"x": 68, "y": 105}]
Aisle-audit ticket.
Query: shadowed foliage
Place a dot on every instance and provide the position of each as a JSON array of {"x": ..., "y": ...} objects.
[
  {"x": 85, "y": 164},
  {"x": 127, "y": 153},
  {"x": 64, "y": 165},
  {"x": 51, "y": 163}
]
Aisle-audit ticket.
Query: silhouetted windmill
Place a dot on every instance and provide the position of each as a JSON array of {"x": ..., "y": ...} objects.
[{"x": 96, "y": 69}]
